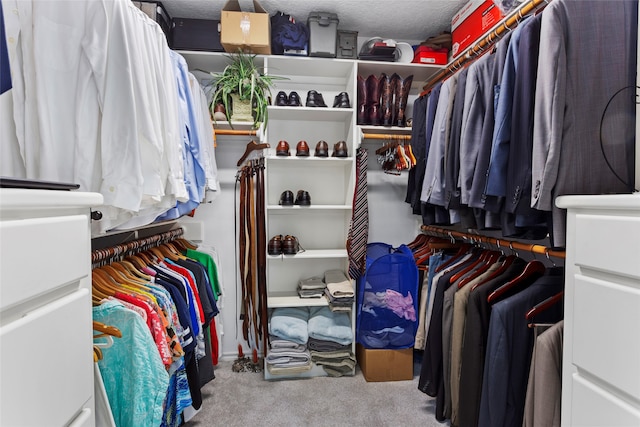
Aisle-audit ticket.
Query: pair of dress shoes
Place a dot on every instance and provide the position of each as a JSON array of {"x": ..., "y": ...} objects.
[
  {"x": 315, "y": 99},
  {"x": 291, "y": 100},
  {"x": 341, "y": 100},
  {"x": 302, "y": 198},
  {"x": 302, "y": 149},
  {"x": 287, "y": 245}
]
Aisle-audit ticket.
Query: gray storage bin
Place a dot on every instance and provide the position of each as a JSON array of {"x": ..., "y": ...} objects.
[
  {"x": 323, "y": 33},
  {"x": 347, "y": 44}
]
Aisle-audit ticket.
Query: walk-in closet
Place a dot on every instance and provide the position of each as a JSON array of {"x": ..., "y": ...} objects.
[{"x": 288, "y": 213}]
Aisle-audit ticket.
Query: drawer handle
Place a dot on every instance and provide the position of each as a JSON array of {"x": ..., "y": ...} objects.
[{"x": 96, "y": 215}]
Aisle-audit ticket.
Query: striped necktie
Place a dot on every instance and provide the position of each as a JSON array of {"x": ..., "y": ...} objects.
[{"x": 359, "y": 226}]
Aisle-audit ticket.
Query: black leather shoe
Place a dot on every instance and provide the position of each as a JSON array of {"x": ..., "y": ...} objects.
[
  {"x": 286, "y": 198},
  {"x": 290, "y": 245},
  {"x": 303, "y": 198},
  {"x": 340, "y": 149},
  {"x": 282, "y": 149},
  {"x": 314, "y": 99},
  {"x": 275, "y": 245},
  {"x": 281, "y": 99},
  {"x": 294, "y": 100},
  {"x": 302, "y": 149},
  {"x": 341, "y": 100},
  {"x": 322, "y": 149}
]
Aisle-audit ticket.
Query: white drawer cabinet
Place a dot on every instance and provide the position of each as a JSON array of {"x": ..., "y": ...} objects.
[
  {"x": 601, "y": 360},
  {"x": 46, "y": 361}
]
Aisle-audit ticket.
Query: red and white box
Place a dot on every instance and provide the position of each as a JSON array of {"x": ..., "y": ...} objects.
[
  {"x": 427, "y": 55},
  {"x": 472, "y": 21}
]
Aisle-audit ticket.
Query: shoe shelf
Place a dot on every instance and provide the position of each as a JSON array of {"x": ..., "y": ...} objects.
[
  {"x": 386, "y": 130},
  {"x": 286, "y": 299},
  {"x": 312, "y": 254},
  {"x": 310, "y": 114},
  {"x": 296, "y": 210},
  {"x": 421, "y": 72}
]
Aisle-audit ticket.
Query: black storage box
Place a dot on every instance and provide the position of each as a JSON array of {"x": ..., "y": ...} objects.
[
  {"x": 347, "y": 44},
  {"x": 156, "y": 11},
  {"x": 195, "y": 34}
]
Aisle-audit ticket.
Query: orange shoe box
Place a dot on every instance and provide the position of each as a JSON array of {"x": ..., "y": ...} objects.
[{"x": 472, "y": 21}]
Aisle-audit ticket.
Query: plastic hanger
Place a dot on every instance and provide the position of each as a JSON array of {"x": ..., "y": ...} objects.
[{"x": 533, "y": 269}]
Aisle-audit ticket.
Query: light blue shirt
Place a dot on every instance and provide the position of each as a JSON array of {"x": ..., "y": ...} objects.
[{"x": 192, "y": 154}]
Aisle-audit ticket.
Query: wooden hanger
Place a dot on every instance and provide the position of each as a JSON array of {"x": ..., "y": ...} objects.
[
  {"x": 106, "y": 330},
  {"x": 533, "y": 269},
  {"x": 505, "y": 264},
  {"x": 479, "y": 260},
  {"x": 491, "y": 259},
  {"x": 463, "y": 250},
  {"x": 252, "y": 146},
  {"x": 544, "y": 305},
  {"x": 184, "y": 244}
]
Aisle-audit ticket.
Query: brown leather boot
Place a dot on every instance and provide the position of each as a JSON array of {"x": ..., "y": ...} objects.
[
  {"x": 403, "y": 87},
  {"x": 373, "y": 100},
  {"x": 362, "y": 101},
  {"x": 386, "y": 98}
]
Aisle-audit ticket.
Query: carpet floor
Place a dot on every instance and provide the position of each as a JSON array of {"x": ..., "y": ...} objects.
[{"x": 247, "y": 399}]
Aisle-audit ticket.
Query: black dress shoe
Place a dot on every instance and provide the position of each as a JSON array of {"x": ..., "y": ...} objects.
[
  {"x": 340, "y": 149},
  {"x": 275, "y": 245},
  {"x": 341, "y": 100},
  {"x": 286, "y": 198},
  {"x": 281, "y": 99},
  {"x": 303, "y": 198},
  {"x": 314, "y": 99},
  {"x": 294, "y": 100},
  {"x": 290, "y": 245},
  {"x": 322, "y": 149}
]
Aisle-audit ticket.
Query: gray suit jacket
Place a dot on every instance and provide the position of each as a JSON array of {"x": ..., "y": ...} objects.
[{"x": 588, "y": 53}]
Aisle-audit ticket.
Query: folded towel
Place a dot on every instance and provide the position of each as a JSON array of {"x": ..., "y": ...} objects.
[
  {"x": 311, "y": 283},
  {"x": 324, "y": 345},
  {"x": 280, "y": 345},
  {"x": 335, "y": 276},
  {"x": 341, "y": 289},
  {"x": 290, "y": 323},
  {"x": 274, "y": 370},
  {"x": 288, "y": 359},
  {"x": 327, "y": 325},
  {"x": 310, "y": 293}
]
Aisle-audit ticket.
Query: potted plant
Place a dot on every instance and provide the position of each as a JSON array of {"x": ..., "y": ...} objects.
[{"x": 243, "y": 90}]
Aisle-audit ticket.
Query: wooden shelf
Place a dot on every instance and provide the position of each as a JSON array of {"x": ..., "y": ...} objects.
[
  {"x": 285, "y": 299},
  {"x": 310, "y": 114},
  {"x": 312, "y": 254},
  {"x": 299, "y": 209}
]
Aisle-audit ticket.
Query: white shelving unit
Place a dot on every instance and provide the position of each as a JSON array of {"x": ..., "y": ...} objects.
[{"x": 322, "y": 227}]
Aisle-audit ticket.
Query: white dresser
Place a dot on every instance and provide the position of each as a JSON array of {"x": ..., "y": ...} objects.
[
  {"x": 46, "y": 360},
  {"x": 601, "y": 360}
]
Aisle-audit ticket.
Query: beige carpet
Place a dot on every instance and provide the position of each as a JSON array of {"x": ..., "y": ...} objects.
[{"x": 246, "y": 399}]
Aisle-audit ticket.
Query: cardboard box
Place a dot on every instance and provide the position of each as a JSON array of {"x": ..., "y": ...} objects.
[
  {"x": 196, "y": 34},
  {"x": 248, "y": 31},
  {"x": 471, "y": 22},
  {"x": 385, "y": 365}
]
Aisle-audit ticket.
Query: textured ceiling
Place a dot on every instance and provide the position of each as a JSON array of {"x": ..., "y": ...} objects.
[{"x": 401, "y": 20}]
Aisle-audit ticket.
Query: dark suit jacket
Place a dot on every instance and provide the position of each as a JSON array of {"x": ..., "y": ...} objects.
[
  {"x": 509, "y": 347},
  {"x": 474, "y": 345}
]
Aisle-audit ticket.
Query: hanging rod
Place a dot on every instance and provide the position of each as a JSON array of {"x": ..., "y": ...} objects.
[
  {"x": 237, "y": 132},
  {"x": 386, "y": 136},
  {"x": 135, "y": 246},
  {"x": 480, "y": 46},
  {"x": 533, "y": 248}
]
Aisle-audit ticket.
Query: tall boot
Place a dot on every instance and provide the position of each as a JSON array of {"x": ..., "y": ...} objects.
[
  {"x": 362, "y": 101},
  {"x": 386, "y": 98},
  {"x": 373, "y": 100},
  {"x": 403, "y": 87}
]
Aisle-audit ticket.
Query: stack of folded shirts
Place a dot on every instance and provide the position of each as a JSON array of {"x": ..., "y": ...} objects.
[
  {"x": 339, "y": 290},
  {"x": 312, "y": 287}
]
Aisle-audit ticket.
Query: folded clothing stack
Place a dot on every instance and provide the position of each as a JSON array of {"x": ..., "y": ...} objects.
[
  {"x": 339, "y": 290},
  {"x": 330, "y": 337},
  {"x": 286, "y": 357},
  {"x": 313, "y": 287}
]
